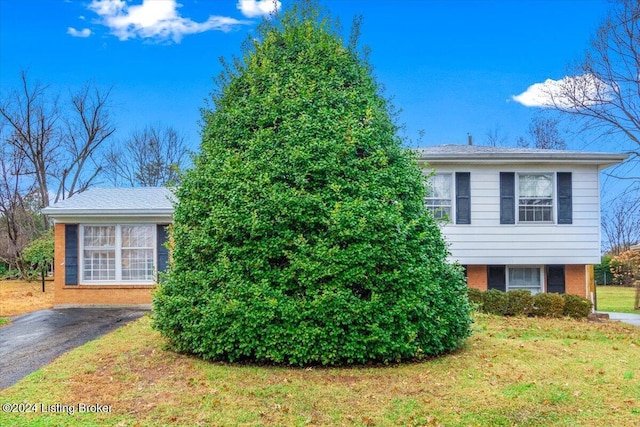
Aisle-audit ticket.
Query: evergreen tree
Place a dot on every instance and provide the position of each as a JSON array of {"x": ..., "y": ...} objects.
[{"x": 300, "y": 235}]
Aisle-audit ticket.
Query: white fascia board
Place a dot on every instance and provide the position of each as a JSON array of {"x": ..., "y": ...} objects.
[
  {"x": 110, "y": 216},
  {"x": 601, "y": 159}
]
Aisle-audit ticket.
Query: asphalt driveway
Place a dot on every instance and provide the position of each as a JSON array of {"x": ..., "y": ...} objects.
[{"x": 34, "y": 340}]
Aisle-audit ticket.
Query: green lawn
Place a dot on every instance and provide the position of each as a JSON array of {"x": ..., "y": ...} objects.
[
  {"x": 512, "y": 371},
  {"x": 616, "y": 298}
]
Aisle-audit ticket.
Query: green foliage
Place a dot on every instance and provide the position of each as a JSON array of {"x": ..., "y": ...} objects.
[
  {"x": 576, "y": 306},
  {"x": 494, "y": 302},
  {"x": 39, "y": 254},
  {"x": 475, "y": 298},
  {"x": 548, "y": 305},
  {"x": 300, "y": 234},
  {"x": 519, "y": 303},
  {"x": 602, "y": 271}
]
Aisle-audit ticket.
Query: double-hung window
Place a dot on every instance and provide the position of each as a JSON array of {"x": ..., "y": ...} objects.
[
  {"x": 525, "y": 278},
  {"x": 439, "y": 195},
  {"x": 118, "y": 253},
  {"x": 535, "y": 197}
]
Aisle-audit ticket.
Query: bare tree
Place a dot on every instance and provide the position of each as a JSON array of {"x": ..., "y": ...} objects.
[
  {"x": 621, "y": 224},
  {"x": 33, "y": 121},
  {"x": 18, "y": 223},
  {"x": 58, "y": 145},
  {"x": 494, "y": 137},
  {"x": 543, "y": 133},
  {"x": 87, "y": 128},
  {"x": 605, "y": 90},
  {"x": 151, "y": 157}
]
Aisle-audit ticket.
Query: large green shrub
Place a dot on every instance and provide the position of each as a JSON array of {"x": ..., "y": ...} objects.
[
  {"x": 548, "y": 305},
  {"x": 494, "y": 302},
  {"x": 300, "y": 234},
  {"x": 576, "y": 306}
]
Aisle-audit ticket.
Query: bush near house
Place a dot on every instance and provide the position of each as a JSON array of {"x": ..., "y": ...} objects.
[
  {"x": 301, "y": 235},
  {"x": 522, "y": 303}
]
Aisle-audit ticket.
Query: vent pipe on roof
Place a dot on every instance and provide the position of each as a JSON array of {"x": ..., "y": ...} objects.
[{"x": 470, "y": 137}]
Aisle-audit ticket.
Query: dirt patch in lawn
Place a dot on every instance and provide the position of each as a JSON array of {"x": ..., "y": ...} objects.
[{"x": 19, "y": 296}]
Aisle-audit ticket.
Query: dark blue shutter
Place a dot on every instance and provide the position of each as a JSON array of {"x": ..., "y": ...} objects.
[
  {"x": 71, "y": 254},
  {"x": 565, "y": 204},
  {"x": 162, "y": 250},
  {"x": 555, "y": 279},
  {"x": 496, "y": 277},
  {"x": 507, "y": 198},
  {"x": 463, "y": 198}
]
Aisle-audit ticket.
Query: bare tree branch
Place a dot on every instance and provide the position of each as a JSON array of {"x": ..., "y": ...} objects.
[{"x": 151, "y": 157}]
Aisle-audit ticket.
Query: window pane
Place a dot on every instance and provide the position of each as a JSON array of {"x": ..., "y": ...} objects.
[
  {"x": 528, "y": 278},
  {"x": 535, "y": 198},
  {"x": 137, "y": 264},
  {"x": 440, "y": 186},
  {"x": 137, "y": 252},
  {"x": 438, "y": 198},
  {"x": 99, "y": 236},
  {"x": 99, "y": 255},
  {"x": 536, "y": 186},
  {"x": 137, "y": 236},
  {"x": 99, "y": 264}
]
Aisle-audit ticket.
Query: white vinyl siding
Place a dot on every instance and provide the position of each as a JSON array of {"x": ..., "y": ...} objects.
[
  {"x": 117, "y": 254},
  {"x": 486, "y": 241}
]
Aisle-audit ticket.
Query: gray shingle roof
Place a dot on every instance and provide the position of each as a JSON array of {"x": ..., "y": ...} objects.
[
  {"x": 95, "y": 201},
  {"x": 481, "y": 154}
]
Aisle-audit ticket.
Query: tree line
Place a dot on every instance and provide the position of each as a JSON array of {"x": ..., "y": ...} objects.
[{"x": 55, "y": 145}]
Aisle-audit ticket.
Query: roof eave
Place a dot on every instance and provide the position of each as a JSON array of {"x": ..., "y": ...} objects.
[
  {"x": 603, "y": 161},
  {"x": 107, "y": 213}
]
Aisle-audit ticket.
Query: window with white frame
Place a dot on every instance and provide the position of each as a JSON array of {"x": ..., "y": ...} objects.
[
  {"x": 440, "y": 195},
  {"x": 535, "y": 197},
  {"x": 117, "y": 253},
  {"x": 525, "y": 278}
]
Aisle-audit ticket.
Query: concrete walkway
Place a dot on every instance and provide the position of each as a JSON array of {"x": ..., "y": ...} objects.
[
  {"x": 35, "y": 339},
  {"x": 632, "y": 319}
]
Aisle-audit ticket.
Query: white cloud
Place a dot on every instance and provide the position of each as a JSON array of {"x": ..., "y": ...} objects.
[
  {"x": 254, "y": 8},
  {"x": 567, "y": 93},
  {"x": 154, "y": 19},
  {"x": 85, "y": 32}
]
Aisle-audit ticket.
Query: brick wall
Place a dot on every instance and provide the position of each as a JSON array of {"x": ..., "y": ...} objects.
[
  {"x": 477, "y": 277},
  {"x": 575, "y": 279},
  {"x": 92, "y": 295}
]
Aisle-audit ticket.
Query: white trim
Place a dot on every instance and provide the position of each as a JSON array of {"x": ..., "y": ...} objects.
[
  {"x": 541, "y": 271},
  {"x": 118, "y": 255},
  {"x": 554, "y": 179},
  {"x": 450, "y": 219}
]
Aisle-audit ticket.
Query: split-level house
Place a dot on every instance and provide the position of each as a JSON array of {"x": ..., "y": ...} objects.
[
  {"x": 519, "y": 218},
  {"x": 515, "y": 218}
]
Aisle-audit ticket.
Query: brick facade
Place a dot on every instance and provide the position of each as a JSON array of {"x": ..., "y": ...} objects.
[
  {"x": 575, "y": 280},
  {"x": 477, "y": 277},
  {"x": 575, "y": 277},
  {"x": 92, "y": 295}
]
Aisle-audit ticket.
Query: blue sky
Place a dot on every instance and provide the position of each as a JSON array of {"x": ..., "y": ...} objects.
[{"x": 452, "y": 67}]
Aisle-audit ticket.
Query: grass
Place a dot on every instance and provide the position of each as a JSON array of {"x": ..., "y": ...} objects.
[
  {"x": 616, "y": 298},
  {"x": 19, "y": 297},
  {"x": 512, "y": 371}
]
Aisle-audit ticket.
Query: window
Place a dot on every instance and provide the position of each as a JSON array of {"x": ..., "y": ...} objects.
[
  {"x": 527, "y": 278},
  {"x": 439, "y": 193},
  {"x": 117, "y": 253},
  {"x": 535, "y": 197}
]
